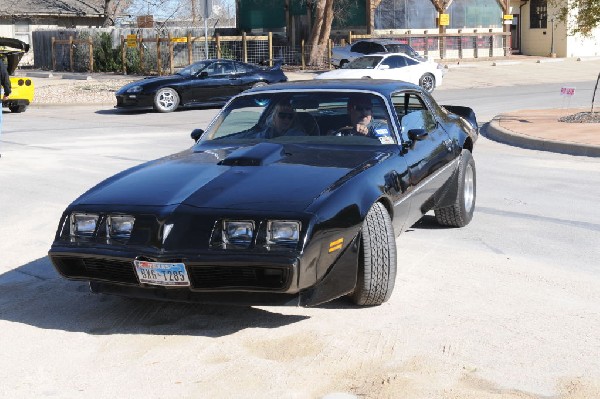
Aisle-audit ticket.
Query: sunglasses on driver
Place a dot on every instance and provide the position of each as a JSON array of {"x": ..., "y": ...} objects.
[{"x": 285, "y": 115}]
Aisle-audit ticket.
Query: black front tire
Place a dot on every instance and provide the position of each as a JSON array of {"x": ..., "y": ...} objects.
[
  {"x": 460, "y": 213},
  {"x": 377, "y": 259},
  {"x": 17, "y": 109}
]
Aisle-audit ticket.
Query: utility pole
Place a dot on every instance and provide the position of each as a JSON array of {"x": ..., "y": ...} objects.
[{"x": 552, "y": 53}]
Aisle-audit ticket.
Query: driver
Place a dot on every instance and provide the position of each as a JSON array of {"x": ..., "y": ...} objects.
[{"x": 361, "y": 122}]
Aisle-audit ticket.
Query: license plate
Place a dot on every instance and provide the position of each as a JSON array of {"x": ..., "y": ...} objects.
[{"x": 158, "y": 273}]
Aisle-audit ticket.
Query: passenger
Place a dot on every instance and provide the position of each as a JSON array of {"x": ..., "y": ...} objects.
[{"x": 283, "y": 122}]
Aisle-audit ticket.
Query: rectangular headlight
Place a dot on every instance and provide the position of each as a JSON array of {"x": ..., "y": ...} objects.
[
  {"x": 134, "y": 89},
  {"x": 283, "y": 232},
  {"x": 238, "y": 233},
  {"x": 119, "y": 226},
  {"x": 83, "y": 224}
]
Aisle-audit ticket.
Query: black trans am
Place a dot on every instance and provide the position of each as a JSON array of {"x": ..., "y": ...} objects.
[
  {"x": 209, "y": 82},
  {"x": 254, "y": 214}
]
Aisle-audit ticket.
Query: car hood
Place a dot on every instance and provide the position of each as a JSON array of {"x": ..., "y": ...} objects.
[
  {"x": 264, "y": 176},
  {"x": 152, "y": 82},
  {"x": 344, "y": 74}
]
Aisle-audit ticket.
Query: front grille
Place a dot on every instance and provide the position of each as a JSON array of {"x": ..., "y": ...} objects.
[
  {"x": 118, "y": 271},
  {"x": 238, "y": 277},
  {"x": 201, "y": 277}
]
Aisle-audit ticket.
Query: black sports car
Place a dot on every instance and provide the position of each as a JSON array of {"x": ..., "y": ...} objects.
[
  {"x": 253, "y": 214},
  {"x": 209, "y": 82}
]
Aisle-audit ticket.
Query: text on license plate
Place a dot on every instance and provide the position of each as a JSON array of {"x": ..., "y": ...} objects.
[{"x": 159, "y": 273}]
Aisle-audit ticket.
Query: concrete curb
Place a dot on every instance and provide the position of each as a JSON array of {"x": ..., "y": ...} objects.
[
  {"x": 494, "y": 131},
  {"x": 583, "y": 59},
  {"x": 77, "y": 77},
  {"x": 546, "y": 60},
  {"x": 501, "y": 63},
  {"x": 39, "y": 74}
]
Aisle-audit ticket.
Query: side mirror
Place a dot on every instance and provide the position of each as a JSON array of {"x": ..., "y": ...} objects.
[
  {"x": 196, "y": 133},
  {"x": 203, "y": 75},
  {"x": 384, "y": 67},
  {"x": 417, "y": 134}
]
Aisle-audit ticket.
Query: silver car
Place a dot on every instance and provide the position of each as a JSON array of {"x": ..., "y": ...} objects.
[{"x": 343, "y": 54}]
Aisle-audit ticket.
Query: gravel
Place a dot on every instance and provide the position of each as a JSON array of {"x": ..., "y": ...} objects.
[
  {"x": 77, "y": 91},
  {"x": 581, "y": 117}
]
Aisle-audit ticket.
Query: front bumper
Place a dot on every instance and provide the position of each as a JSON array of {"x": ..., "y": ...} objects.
[
  {"x": 133, "y": 101},
  {"x": 243, "y": 280}
]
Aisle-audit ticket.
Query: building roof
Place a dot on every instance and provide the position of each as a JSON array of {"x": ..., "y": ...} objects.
[{"x": 91, "y": 8}]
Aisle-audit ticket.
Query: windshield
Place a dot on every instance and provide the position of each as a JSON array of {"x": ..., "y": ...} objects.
[
  {"x": 194, "y": 69},
  {"x": 367, "y": 62},
  {"x": 304, "y": 117}
]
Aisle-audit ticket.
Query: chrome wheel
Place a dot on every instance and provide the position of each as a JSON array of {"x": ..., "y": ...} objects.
[
  {"x": 469, "y": 188},
  {"x": 166, "y": 100},
  {"x": 427, "y": 82}
]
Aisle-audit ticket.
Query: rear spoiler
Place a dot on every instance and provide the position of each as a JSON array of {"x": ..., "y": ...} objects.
[
  {"x": 277, "y": 63},
  {"x": 465, "y": 112}
]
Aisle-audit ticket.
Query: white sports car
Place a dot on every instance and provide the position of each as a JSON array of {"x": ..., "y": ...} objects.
[{"x": 396, "y": 66}]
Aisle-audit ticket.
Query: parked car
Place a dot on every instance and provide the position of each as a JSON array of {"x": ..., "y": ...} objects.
[
  {"x": 22, "y": 88},
  {"x": 342, "y": 55},
  {"x": 292, "y": 219},
  {"x": 209, "y": 82},
  {"x": 395, "y": 66}
]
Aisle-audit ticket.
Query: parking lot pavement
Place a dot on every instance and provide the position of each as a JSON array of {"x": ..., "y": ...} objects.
[{"x": 533, "y": 129}]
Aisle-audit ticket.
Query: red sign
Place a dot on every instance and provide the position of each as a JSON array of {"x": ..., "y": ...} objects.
[{"x": 567, "y": 91}]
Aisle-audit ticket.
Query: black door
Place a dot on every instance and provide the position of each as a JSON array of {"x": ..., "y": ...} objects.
[
  {"x": 428, "y": 150},
  {"x": 214, "y": 84}
]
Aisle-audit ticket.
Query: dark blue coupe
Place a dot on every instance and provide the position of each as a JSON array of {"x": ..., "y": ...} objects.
[
  {"x": 294, "y": 194},
  {"x": 209, "y": 82}
]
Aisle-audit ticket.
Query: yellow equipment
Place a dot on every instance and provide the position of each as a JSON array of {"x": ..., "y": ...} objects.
[{"x": 22, "y": 88}]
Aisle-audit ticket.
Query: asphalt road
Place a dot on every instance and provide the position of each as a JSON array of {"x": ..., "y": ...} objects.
[{"x": 505, "y": 308}]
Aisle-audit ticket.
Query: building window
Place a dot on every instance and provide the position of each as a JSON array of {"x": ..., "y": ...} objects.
[
  {"x": 405, "y": 14},
  {"x": 538, "y": 15},
  {"x": 475, "y": 14},
  {"x": 420, "y": 14},
  {"x": 22, "y": 31}
]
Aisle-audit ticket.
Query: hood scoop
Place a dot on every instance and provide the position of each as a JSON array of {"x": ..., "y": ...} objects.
[{"x": 258, "y": 155}]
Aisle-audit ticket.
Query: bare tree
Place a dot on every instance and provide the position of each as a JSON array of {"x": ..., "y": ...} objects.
[
  {"x": 320, "y": 30},
  {"x": 111, "y": 9},
  {"x": 325, "y": 12}
]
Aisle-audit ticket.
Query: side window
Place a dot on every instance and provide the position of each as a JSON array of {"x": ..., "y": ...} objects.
[
  {"x": 228, "y": 68},
  {"x": 412, "y": 113},
  {"x": 241, "y": 68},
  {"x": 410, "y": 61},
  {"x": 395, "y": 62},
  {"x": 218, "y": 69},
  {"x": 377, "y": 48}
]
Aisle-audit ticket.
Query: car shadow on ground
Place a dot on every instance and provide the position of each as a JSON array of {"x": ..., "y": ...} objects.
[
  {"x": 36, "y": 295},
  {"x": 141, "y": 111},
  {"x": 427, "y": 222}
]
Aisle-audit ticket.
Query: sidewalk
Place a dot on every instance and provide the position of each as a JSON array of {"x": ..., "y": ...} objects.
[{"x": 541, "y": 130}]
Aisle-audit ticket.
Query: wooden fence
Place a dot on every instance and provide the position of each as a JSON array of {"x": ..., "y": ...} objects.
[{"x": 160, "y": 54}]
